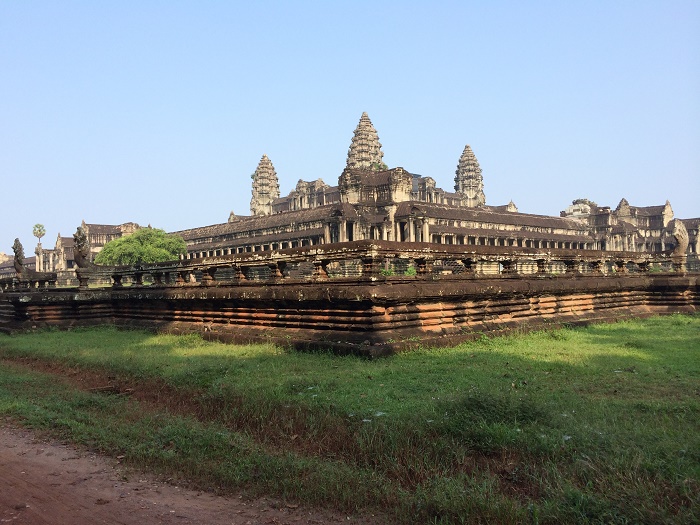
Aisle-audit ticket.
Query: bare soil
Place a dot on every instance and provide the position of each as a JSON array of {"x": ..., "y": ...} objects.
[{"x": 44, "y": 482}]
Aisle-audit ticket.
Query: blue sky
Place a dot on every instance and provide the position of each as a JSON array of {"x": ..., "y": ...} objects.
[{"x": 158, "y": 112}]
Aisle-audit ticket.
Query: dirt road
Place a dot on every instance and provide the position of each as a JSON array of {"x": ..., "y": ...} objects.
[{"x": 43, "y": 482}]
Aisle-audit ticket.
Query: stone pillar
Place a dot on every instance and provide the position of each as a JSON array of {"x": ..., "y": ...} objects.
[
  {"x": 679, "y": 263},
  {"x": 209, "y": 276},
  {"x": 510, "y": 267},
  {"x": 343, "y": 230},
  {"x": 276, "y": 270},
  {"x": 320, "y": 269},
  {"x": 184, "y": 276},
  {"x": 239, "y": 272},
  {"x": 541, "y": 266},
  {"x": 370, "y": 267},
  {"x": 326, "y": 233},
  {"x": 596, "y": 266},
  {"x": 39, "y": 265},
  {"x": 469, "y": 266},
  {"x": 411, "y": 230},
  {"x": 423, "y": 266},
  {"x": 571, "y": 265},
  {"x": 82, "y": 280}
]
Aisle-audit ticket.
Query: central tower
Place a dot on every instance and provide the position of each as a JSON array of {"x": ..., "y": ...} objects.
[
  {"x": 266, "y": 188},
  {"x": 469, "y": 182},
  {"x": 365, "y": 151}
]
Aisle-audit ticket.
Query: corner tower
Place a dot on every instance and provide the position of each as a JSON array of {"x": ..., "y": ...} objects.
[
  {"x": 266, "y": 188},
  {"x": 365, "y": 150},
  {"x": 469, "y": 182}
]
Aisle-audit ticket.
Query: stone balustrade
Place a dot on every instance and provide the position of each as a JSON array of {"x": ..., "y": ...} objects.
[
  {"x": 379, "y": 260},
  {"x": 370, "y": 297},
  {"x": 40, "y": 282}
]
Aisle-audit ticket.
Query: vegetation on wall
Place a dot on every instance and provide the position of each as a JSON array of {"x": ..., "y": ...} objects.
[{"x": 585, "y": 201}]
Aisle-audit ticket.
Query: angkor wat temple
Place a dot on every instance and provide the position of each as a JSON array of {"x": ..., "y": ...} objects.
[
  {"x": 374, "y": 202},
  {"x": 384, "y": 261}
]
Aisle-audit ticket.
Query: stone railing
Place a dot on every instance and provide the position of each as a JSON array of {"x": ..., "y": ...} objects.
[
  {"x": 373, "y": 260},
  {"x": 38, "y": 281}
]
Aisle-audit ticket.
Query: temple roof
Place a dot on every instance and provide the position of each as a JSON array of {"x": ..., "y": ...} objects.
[
  {"x": 624, "y": 227},
  {"x": 111, "y": 228},
  {"x": 104, "y": 228},
  {"x": 370, "y": 178},
  {"x": 691, "y": 223},
  {"x": 443, "y": 211},
  {"x": 648, "y": 210},
  {"x": 259, "y": 239},
  {"x": 246, "y": 224},
  {"x": 514, "y": 234}
]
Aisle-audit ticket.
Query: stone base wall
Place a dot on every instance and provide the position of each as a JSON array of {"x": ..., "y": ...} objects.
[{"x": 366, "y": 316}]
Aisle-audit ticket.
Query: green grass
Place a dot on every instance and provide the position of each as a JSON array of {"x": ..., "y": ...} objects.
[{"x": 594, "y": 425}]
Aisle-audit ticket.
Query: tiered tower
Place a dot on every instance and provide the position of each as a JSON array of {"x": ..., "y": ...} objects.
[
  {"x": 365, "y": 150},
  {"x": 468, "y": 179},
  {"x": 266, "y": 188}
]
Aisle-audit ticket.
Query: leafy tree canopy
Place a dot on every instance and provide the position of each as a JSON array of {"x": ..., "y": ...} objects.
[
  {"x": 147, "y": 245},
  {"x": 379, "y": 166},
  {"x": 585, "y": 201}
]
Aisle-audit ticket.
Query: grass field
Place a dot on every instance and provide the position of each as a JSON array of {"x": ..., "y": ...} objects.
[{"x": 591, "y": 425}]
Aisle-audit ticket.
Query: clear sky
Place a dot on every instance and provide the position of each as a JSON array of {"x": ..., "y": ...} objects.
[{"x": 157, "y": 112}]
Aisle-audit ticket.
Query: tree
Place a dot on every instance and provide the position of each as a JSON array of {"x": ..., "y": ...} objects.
[
  {"x": 585, "y": 201},
  {"x": 39, "y": 231},
  {"x": 147, "y": 245}
]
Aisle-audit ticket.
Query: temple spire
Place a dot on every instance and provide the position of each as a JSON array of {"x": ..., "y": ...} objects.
[
  {"x": 365, "y": 150},
  {"x": 468, "y": 179},
  {"x": 266, "y": 188}
]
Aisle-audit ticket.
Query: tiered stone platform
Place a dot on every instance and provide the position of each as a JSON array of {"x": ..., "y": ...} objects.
[{"x": 368, "y": 297}]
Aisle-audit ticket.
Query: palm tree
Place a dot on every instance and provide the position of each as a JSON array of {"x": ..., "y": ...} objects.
[{"x": 39, "y": 231}]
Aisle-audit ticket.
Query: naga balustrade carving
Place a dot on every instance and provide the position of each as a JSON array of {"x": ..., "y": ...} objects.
[{"x": 370, "y": 260}]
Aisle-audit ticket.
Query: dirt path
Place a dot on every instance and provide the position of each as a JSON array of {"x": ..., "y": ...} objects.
[{"x": 43, "y": 482}]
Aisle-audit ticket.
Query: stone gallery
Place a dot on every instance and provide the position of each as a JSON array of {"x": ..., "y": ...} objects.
[
  {"x": 382, "y": 262},
  {"x": 374, "y": 202}
]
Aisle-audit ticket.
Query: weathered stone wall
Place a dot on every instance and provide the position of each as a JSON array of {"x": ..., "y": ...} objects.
[{"x": 372, "y": 316}]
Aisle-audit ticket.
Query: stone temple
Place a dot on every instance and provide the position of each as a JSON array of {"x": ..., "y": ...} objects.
[{"x": 373, "y": 201}]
